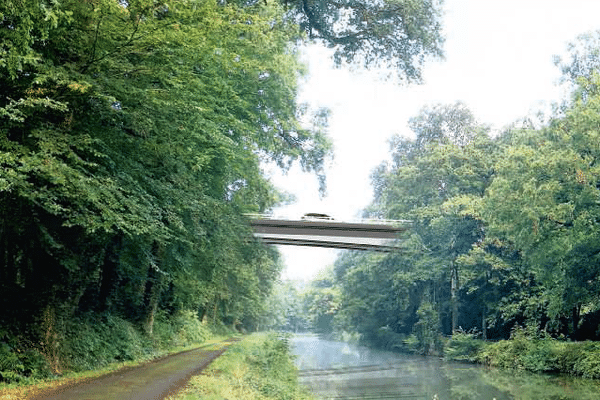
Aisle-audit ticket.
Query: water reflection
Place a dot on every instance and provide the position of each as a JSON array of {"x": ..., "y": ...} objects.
[{"x": 335, "y": 370}]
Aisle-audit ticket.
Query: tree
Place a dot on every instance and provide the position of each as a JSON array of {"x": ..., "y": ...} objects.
[
  {"x": 398, "y": 34},
  {"x": 582, "y": 61},
  {"x": 321, "y": 302},
  {"x": 543, "y": 200},
  {"x": 446, "y": 160},
  {"x": 131, "y": 137}
]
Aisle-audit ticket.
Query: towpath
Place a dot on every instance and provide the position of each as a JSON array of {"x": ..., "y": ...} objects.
[{"x": 154, "y": 380}]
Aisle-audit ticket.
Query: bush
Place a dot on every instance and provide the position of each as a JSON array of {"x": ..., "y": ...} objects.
[
  {"x": 427, "y": 330},
  {"x": 20, "y": 366},
  {"x": 386, "y": 338},
  {"x": 539, "y": 353},
  {"x": 92, "y": 344},
  {"x": 463, "y": 347},
  {"x": 189, "y": 329},
  {"x": 583, "y": 359}
]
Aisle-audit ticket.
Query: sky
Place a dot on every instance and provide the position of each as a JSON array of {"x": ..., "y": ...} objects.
[{"x": 499, "y": 62}]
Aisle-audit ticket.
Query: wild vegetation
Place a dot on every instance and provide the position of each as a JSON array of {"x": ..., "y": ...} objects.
[
  {"x": 259, "y": 367},
  {"x": 132, "y": 140},
  {"x": 504, "y": 238}
]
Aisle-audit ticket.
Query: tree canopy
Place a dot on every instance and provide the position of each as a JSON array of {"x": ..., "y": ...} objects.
[
  {"x": 397, "y": 34},
  {"x": 505, "y": 228},
  {"x": 132, "y": 136}
]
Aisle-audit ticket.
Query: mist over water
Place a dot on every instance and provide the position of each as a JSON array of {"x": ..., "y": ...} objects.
[{"x": 337, "y": 370}]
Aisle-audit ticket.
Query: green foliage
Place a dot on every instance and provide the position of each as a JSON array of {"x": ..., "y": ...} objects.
[
  {"x": 398, "y": 34},
  {"x": 504, "y": 230},
  {"x": 528, "y": 350},
  {"x": 131, "y": 137},
  {"x": 96, "y": 342},
  {"x": 321, "y": 302},
  {"x": 189, "y": 329},
  {"x": 285, "y": 308},
  {"x": 463, "y": 346},
  {"x": 92, "y": 344},
  {"x": 259, "y": 367},
  {"x": 427, "y": 330}
]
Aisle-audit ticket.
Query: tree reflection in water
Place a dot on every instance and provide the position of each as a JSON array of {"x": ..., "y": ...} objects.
[{"x": 336, "y": 370}]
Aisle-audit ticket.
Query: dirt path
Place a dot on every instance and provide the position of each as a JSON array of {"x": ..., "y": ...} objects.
[{"x": 154, "y": 380}]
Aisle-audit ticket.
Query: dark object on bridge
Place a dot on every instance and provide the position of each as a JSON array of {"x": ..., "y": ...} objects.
[{"x": 317, "y": 216}]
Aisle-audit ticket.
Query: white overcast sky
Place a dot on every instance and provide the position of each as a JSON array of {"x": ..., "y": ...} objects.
[{"x": 498, "y": 62}]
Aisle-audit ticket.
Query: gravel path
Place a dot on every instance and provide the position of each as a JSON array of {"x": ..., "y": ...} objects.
[{"x": 154, "y": 380}]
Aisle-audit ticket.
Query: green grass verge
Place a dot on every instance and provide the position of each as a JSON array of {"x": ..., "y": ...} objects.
[{"x": 258, "y": 368}]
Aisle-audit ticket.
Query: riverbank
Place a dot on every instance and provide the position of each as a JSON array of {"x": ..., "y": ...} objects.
[
  {"x": 259, "y": 367},
  {"x": 528, "y": 351}
]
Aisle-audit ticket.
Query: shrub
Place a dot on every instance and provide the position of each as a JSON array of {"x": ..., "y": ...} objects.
[
  {"x": 540, "y": 353},
  {"x": 427, "y": 330},
  {"x": 587, "y": 363},
  {"x": 90, "y": 344},
  {"x": 386, "y": 338},
  {"x": 189, "y": 329},
  {"x": 18, "y": 366},
  {"x": 463, "y": 347}
]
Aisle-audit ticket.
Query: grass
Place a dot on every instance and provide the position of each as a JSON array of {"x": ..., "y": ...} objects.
[{"x": 258, "y": 368}]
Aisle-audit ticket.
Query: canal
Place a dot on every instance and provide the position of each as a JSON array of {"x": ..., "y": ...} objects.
[{"x": 338, "y": 370}]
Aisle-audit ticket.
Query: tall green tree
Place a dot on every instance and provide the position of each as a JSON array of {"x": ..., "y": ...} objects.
[
  {"x": 543, "y": 200},
  {"x": 447, "y": 159},
  {"x": 131, "y": 137}
]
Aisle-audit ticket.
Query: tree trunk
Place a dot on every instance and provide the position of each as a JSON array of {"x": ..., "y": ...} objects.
[
  {"x": 576, "y": 314},
  {"x": 454, "y": 295},
  {"x": 153, "y": 287},
  {"x": 151, "y": 298},
  {"x": 483, "y": 322},
  {"x": 110, "y": 276},
  {"x": 484, "y": 306}
]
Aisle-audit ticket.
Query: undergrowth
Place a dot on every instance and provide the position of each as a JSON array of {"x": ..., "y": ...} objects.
[
  {"x": 258, "y": 368},
  {"x": 91, "y": 343},
  {"x": 528, "y": 350}
]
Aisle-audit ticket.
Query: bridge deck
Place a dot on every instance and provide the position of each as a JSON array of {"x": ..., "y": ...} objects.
[{"x": 327, "y": 233}]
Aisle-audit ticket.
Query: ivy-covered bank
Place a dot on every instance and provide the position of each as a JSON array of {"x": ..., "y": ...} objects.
[
  {"x": 259, "y": 367},
  {"x": 528, "y": 350}
]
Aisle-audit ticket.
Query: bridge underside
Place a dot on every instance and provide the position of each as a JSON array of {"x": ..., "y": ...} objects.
[
  {"x": 331, "y": 242},
  {"x": 329, "y": 234}
]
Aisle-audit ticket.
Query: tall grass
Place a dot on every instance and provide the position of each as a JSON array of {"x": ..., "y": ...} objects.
[{"x": 259, "y": 367}]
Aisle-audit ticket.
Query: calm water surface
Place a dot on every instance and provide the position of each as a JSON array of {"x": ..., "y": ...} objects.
[{"x": 337, "y": 370}]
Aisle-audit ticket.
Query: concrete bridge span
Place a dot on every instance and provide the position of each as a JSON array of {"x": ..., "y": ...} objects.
[{"x": 321, "y": 232}]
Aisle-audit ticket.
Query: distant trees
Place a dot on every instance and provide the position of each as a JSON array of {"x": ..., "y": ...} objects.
[{"x": 505, "y": 229}]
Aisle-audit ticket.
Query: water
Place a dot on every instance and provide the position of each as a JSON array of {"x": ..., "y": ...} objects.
[{"x": 337, "y": 370}]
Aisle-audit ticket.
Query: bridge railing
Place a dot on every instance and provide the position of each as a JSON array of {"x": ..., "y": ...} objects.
[{"x": 392, "y": 222}]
